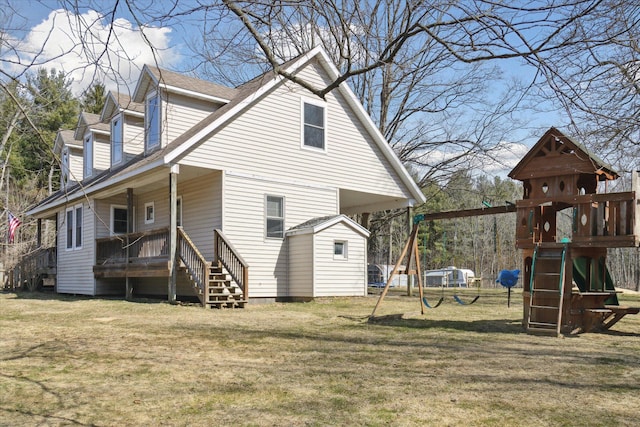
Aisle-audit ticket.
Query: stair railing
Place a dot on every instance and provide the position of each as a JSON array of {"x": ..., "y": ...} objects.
[
  {"x": 231, "y": 259},
  {"x": 196, "y": 264}
]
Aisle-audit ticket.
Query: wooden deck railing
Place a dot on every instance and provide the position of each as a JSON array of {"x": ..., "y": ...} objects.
[
  {"x": 231, "y": 259},
  {"x": 32, "y": 266},
  {"x": 196, "y": 264},
  {"x": 147, "y": 244},
  {"x": 610, "y": 219}
]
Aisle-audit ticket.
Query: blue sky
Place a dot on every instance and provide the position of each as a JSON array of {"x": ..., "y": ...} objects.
[{"x": 33, "y": 21}]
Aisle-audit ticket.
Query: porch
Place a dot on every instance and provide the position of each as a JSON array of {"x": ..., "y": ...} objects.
[{"x": 223, "y": 282}]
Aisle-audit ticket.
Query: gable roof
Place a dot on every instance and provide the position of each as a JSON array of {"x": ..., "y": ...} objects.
[
  {"x": 556, "y": 154},
  {"x": 179, "y": 83},
  {"x": 255, "y": 89},
  {"x": 316, "y": 225},
  {"x": 244, "y": 96},
  {"x": 117, "y": 102},
  {"x": 92, "y": 122},
  {"x": 66, "y": 138}
]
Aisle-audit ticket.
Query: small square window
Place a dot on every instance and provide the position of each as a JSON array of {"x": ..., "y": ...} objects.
[
  {"x": 149, "y": 214},
  {"x": 339, "y": 249}
]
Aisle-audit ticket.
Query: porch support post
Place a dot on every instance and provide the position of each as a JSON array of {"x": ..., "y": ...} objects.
[
  {"x": 39, "y": 234},
  {"x": 173, "y": 232},
  {"x": 130, "y": 219}
]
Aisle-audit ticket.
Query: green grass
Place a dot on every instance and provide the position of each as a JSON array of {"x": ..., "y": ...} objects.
[{"x": 104, "y": 362}]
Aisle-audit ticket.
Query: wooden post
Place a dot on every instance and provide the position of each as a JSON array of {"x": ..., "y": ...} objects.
[
  {"x": 130, "y": 220},
  {"x": 39, "y": 234},
  {"x": 173, "y": 230},
  {"x": 409, "y": 275}
]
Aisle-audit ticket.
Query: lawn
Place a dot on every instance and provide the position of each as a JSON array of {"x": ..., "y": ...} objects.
[{"x": 105, "y": 362}]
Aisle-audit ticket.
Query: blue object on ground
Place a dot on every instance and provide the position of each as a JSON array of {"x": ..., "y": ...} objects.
[{"x": 508, "y": 278}]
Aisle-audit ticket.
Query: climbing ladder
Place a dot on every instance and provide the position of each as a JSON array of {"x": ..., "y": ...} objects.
[{"x": 546, "y": 290}]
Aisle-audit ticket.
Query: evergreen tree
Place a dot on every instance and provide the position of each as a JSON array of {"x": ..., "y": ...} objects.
[
  {"x": 93, "y": 99},
  {"x": 52, "y": 107}
]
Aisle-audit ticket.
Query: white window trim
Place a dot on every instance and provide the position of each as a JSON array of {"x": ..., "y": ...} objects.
[
  {"x": 345, "y": 250},
  {"x": 72, "y": 224},
  {"x": 147, "y": 147},
  {"x": 88, "y": 155},
  {"x": 266, "y": 217},
  {"x": 317, "y": 103},
  {"x": 119, "y": 117},
  {"x": 68, "y": 224},
  {"x": 112, "y": 218},
  {"x": 66, "y": 167},
  {"x": 75, "y": 226},
  {"x": 153, "y": 213}
]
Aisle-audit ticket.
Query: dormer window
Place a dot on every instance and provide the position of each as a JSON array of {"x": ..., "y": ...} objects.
[
  {"x": 88, "y": 156},
  {"x": 152, "y": 122},
  {"x": 116, "y": 140},
  {"x": 64, "y": 175}
]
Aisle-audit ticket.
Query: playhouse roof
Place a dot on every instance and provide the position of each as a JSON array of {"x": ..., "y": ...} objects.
[{"x": 556, "y": 154}]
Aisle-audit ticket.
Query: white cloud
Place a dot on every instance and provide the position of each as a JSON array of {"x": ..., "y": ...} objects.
[{"x": 89, "y": 47}]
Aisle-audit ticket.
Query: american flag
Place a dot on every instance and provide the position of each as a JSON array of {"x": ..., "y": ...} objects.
[{"x": 13, "y": 224}]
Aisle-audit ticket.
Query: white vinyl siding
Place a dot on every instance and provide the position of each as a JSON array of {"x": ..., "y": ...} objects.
[
  {"x": 75, "y": 267},
  {"x": 133, "y": 136},
  {"x": 353, "y": 162},
  {"x": 75, "y": 164},
  {"x": 244, "y": 223},
  {"x": 201, "y": 209},
  {"x": 181, "y": 113},
  {"x": 351, "y": 270}
]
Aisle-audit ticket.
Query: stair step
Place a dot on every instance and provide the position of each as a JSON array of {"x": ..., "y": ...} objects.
[
  {"x": 543, "y": 324},
  {"x": 546, "y": 307}
]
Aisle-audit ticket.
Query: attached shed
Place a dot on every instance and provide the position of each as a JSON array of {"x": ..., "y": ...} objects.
[{"x": 327, "y": 257}]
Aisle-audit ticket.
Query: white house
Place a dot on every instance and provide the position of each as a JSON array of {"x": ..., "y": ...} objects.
[{"x": 188, "y": 157}]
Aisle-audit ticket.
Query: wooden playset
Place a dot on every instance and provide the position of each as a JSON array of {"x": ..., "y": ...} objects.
[{"x": 566, "y": 285}]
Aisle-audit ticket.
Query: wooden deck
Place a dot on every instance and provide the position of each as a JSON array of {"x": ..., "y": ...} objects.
[{"x": 144, "y": 254}]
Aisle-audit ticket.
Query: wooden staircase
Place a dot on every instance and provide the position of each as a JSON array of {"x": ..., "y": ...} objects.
[
  {"x": 546, "y": 290},
  {"x": 214, "y": 283},
  {"x": 221, "y": 292}
]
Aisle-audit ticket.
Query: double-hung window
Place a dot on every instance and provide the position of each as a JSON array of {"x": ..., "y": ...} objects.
[
  {"x": 119, "y": 219},
  {"x": 73, "y": 218},
  {"x": 314, "y": 125},
  {"x": 88, "y": 156},
  {"x": 116, "y": 140},
  {"x": 275, "y": 217},
  {"x": 152, "y": 122}
]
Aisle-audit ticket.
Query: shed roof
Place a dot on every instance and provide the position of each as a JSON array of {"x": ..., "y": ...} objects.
[{"x": 316, "y": 225}]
